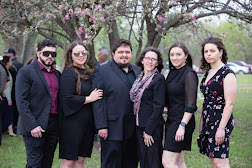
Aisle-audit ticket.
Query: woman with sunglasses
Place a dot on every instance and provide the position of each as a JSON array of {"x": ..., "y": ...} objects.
[
  {"x": 148, "y": 95},
  {"x": 77, "y": 125},
  {"x": 181, "y": 99}
]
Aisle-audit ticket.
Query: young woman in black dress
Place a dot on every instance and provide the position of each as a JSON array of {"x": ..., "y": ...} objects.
[
  {"x": 148, "y": 95},
  {"x": 77, "y": 125},
  {"x": 181, "y": 98},
  {"x": 219, "y": 88}
]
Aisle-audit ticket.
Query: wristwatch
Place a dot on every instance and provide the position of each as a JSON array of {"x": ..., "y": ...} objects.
[{"x": 183, "y": 123}]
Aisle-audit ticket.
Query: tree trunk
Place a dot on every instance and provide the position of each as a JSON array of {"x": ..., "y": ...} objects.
[
  {"x": 29, "y": 47},
  {"x": 113, "y": 34},
  {"x": 19, "y": 44},
  {"x": 91, "y": 60}
]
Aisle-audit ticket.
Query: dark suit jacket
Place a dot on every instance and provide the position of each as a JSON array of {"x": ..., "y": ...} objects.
[
  {"x": 115, "y": 110},
  {"x": 152, "y": 104},
  {"x": 33, "y": 98}
]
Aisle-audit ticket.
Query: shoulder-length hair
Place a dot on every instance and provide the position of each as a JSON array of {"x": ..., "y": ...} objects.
[
  {"x": 218, "y": 42},
  {"x": 185, "y": 50},
  {"x": 160, "y": 65},
  {"x": 83, "y": 74}
]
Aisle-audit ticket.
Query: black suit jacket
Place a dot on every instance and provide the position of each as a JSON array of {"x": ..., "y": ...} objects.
[
  {"x": 115, "y": 110},
  {"x": 33, "y": 98},
  {"x": 152, "y": 104}
]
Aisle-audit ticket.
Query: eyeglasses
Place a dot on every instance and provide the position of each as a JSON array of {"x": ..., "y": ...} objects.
[
  {"x": 47, "y": 53},
  {"x": 150, "y": 59},
  {"x": 77, "y": 53}
]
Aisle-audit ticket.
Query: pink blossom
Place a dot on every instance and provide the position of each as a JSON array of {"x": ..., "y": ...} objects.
[
  {"x": 102, "y": 18},
  {"x": 84, "y": 41},
  {"x": 80, "y": 30},
  {"x": 79, "y": 10},
  {"x": 29, "y": 4},
  {"x": 66, "y": 17},
  {"x": 82, "y": 13},
  {"x": 24, "y": 32},
  {"x": 70, "y": 11},
  {"x": 86, "y": 35},
  {"x": 194, "y": 18},
  {"x": 60, "y": 6},
  {"x": 211, "y": 154},
  {"x": 94, "y": 26},
  {"x": 117, "y": 4}
]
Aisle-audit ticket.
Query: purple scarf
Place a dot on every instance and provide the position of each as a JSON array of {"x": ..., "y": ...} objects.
[{"x": 138, "y": 87}]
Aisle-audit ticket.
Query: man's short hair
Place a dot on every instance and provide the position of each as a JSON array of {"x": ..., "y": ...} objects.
[
  {"x": 45, "y": 43},
  {"x": 104, "y": 51},
  {"x": 11, "y": 50},
  {"x": 121, "y": 42}
]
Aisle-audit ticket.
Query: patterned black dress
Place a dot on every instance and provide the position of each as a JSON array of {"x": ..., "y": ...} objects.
[{"x": 213, "y": 106}]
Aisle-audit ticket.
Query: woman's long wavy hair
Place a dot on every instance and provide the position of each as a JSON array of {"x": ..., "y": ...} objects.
[
  {"x": 83, "y": 74},
  {"x": 218, "y": 42},
  {"x": 185, "y": 50}
]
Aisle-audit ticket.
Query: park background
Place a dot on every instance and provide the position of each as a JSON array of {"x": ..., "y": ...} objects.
[{"x": 145, "y": 23}]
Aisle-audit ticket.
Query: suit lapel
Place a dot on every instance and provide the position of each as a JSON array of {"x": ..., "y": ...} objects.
[
  {"x": 120, "y": 73},
  {"x": 40, "y": 74}
]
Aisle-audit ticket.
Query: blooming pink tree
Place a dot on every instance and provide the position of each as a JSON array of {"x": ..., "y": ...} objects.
[{"x": 147, "y": 21}]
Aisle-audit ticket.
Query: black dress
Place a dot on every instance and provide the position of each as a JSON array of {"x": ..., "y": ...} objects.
[
  {"x": 214, "y": 103},
  {"x": 181, "y": 96},
  {"x": 77, "y": 125}
]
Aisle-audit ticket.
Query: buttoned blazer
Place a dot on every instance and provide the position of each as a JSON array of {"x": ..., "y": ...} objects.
[
  {"x": 152, "y": 104},
  {"x": 33, "y": 98},
  {"x": 115, "y": 110}
]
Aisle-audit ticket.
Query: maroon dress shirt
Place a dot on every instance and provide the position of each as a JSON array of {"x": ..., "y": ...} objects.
[{"x": 53, "y": 85}]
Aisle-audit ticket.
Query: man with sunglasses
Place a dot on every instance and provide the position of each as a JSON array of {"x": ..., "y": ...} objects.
[{"x": 37, "y": 93}]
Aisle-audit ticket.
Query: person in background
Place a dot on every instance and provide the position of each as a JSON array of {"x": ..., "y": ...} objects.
[
  {"x": 16, "y": 65},
  {"x": 77, "y": 124},
  {"x": 8, "y": 109},
  {"x": 4, "y": 82},
  {"x": 103, "y": 56},
  {"x": 12, "y": 53},
  {"x": 181, "y": 100},
  {"x": 113, "y": 114},
  {"x": 219, "y": 87},
  {"x": 37, "y": 97},
  {"x": 148, "y": 95}
]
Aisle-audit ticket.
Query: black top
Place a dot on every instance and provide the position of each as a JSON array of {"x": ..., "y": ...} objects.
[
  {"x": 181, "y": 91},
  {"x": 152, "y": 105}
]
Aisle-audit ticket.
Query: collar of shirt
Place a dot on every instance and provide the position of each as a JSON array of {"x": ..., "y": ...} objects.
[
  {"x": 103, "y": 63},
  {"x": 42, "y": 67}
]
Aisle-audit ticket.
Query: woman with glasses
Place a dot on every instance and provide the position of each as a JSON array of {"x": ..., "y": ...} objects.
[
  {"x": 77, "y": 125},
  {"x": 181, "y": 97},
  {"x": 148, "y": 95}
]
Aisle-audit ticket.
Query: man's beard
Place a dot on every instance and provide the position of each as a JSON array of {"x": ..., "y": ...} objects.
[
  {"x": 45, "y": 64},
  {"x": 124, "y": 65}
]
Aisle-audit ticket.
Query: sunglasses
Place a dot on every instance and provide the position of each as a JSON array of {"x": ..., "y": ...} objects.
[
  {"x": 47, "y": 53},
  {"x": 77, "y": 53}
]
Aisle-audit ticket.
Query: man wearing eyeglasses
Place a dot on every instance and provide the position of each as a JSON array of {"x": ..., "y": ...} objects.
[{"x": 37, "y": 93}]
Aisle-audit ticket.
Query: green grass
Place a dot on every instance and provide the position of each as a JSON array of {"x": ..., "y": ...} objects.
[{"x": 12, "y": 153}]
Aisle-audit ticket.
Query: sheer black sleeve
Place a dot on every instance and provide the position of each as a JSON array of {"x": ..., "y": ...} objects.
[{"x": 191, "y": 88}]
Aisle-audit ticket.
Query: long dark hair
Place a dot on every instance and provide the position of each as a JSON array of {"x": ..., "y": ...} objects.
[
  {"x": 160, "y": 65},
  {"x": 83, "y": 74},
  {"x": 185, "y": 50},
  {"x": 218, "y": 42},
  {"x": 3, "y": 63}
]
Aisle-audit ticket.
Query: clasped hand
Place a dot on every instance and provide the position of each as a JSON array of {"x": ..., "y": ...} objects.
[{"x": 37, "y": 132}]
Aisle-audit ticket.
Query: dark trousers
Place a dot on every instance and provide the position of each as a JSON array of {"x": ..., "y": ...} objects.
[
  {"x": 150, "y": 157},
  {"x": 1, "y": 119},
  {"x": 40, "y": 151},
  {"x": 119, "y": 154}
]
